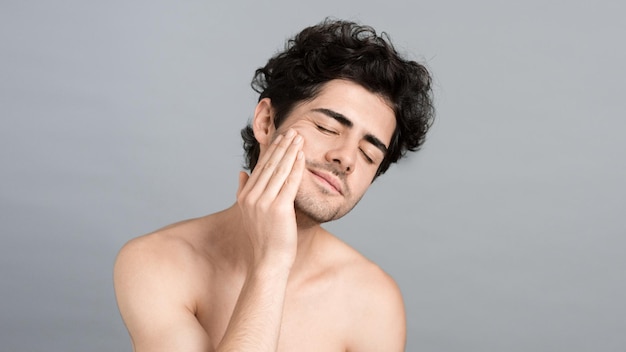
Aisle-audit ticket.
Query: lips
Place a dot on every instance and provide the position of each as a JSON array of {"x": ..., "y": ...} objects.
[{"x": 330, "y": 179}]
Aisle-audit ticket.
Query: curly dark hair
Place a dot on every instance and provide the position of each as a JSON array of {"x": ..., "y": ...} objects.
[{"x": 336, "y": 49}]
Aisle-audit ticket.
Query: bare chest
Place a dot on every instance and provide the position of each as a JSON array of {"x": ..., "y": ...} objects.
[{"x": 314, "y": 318}]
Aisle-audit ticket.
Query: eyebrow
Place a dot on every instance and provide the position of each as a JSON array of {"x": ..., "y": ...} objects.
[{"x": 342, "y": 119}]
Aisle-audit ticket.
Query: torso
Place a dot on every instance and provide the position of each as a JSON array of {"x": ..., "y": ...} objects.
[
  {"x": 319, "y": 305},
  {"x": 312, "y": 318}
]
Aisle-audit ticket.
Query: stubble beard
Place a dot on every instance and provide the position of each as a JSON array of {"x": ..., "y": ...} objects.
[
  {"x": 316, "y": 211},
  {"x": 319, "y": 210}
]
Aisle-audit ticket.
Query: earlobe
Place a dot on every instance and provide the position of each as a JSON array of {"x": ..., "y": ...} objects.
[{"x": 263, "y": 122}]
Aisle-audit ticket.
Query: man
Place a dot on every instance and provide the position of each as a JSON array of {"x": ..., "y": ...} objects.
[{"x": 336, "y": 108}]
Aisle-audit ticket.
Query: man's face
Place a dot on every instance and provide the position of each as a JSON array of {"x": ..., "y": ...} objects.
[{"x": 346, "y": 131}]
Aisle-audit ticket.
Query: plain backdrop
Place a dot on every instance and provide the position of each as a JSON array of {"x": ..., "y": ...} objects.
[{"x": 505, "y": 233}]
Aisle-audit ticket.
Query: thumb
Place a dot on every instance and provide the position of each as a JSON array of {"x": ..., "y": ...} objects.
[{"x": 243, "y": 179}]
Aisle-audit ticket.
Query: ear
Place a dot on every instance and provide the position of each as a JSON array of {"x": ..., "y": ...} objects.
[{"x": 263, "y": 122}]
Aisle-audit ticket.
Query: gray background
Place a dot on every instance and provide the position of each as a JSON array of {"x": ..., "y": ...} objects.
[{"x": 506, "y": 233}]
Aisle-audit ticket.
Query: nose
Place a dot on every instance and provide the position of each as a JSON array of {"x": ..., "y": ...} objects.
[{"x": 344, "y": 156}]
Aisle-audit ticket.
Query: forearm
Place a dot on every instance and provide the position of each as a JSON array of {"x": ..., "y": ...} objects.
[
  {"x": 265, "y": 200},
  {"x": 256, "y": 319}
]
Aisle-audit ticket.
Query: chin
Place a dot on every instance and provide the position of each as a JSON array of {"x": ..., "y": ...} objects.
[{"x": 319, "y": 211}]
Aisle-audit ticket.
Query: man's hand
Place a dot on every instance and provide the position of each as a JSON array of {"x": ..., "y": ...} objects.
[
  {"x": 266, "y": 201},
  {"x": 160, "y": 271}
]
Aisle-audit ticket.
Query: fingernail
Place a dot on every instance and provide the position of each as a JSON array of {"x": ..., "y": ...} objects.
[
  {"x": 297, "y": 140},
  {"x": 290, "y": 133}
]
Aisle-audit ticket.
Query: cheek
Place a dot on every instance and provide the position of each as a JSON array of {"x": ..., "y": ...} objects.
[
  {"x": 312, "y": 144},
  {"x": 360, "y": 183}
]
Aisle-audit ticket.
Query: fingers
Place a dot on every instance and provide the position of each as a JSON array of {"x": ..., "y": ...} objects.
[
  {"x": 292, "y": 183},
  {"x": 275, "y": 168},
  {"x": 279, "y": 173}
]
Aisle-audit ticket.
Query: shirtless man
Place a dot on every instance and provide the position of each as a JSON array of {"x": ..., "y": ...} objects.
[{"x": 335, "y": 109}]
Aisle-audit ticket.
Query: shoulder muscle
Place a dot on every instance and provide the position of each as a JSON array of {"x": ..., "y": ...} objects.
[{"x": 155, "y": 294}]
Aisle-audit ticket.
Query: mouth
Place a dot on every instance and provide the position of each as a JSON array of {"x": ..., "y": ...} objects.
[{"x": 331, "y": 181}]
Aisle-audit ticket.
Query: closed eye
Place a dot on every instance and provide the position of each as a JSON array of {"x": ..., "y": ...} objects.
[
  {"x": 367, "y": 158},
  {"x": 325, "y": 130}
]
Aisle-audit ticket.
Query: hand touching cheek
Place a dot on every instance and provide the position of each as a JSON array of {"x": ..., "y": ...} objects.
[{"x": 266, "y": 200}]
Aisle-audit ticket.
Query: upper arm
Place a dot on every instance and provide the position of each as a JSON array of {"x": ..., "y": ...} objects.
[
  {"x": 155, "y": 300},
  {"x": 380, "y": 319}
]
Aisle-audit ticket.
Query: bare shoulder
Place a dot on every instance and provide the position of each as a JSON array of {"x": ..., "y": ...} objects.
[
  {"x": 374, "y": 303},
  {"x": 360, "y": 272},
  {"x": 169, "y": 256},
  {"x": 172, "y": 247},
  {"x": 156, "y": 279}
]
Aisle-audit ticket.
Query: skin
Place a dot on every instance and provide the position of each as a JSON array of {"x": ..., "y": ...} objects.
[{"x": 263, "y": 275}]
